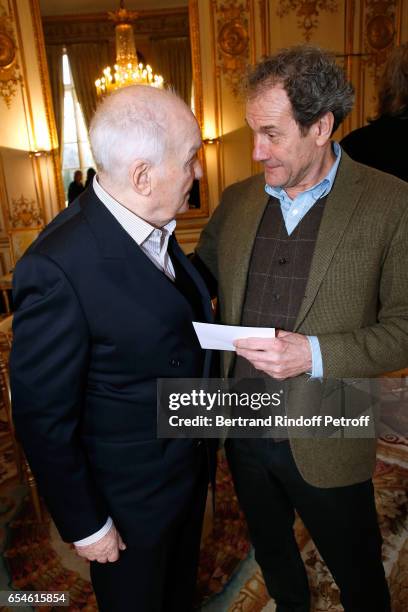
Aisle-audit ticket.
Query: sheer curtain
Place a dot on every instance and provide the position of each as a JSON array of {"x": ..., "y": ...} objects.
[
  {"x": 54, "y": 59},
  {"x": 87, "y": 61},
  {"x": 171, "y": 57}
]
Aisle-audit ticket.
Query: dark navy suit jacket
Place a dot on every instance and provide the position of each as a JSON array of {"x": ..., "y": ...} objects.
[{"x": 96, "y": 324}]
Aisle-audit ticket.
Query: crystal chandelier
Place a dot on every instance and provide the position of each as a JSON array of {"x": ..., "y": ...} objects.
[{"x": 127, "y": 70}]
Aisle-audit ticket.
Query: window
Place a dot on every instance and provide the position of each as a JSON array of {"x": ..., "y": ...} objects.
[{"x": 76, "y": 154}]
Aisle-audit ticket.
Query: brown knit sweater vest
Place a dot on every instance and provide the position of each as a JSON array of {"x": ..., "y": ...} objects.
[{"x": 278, "y": 273}]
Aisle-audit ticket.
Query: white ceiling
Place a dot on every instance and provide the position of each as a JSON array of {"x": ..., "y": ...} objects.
[{"x": 70, "y": 7}]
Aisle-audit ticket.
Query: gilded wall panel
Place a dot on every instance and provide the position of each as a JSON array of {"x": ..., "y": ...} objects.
[
  {"x": 21, "y": 190},
  {"x": 233, "y": 48},
  {"x": 379, "y": 28},
  {"x": 308, "y": 14},
  {"x": 240, "y": 31},
  {"x": 30, "y": 190},
  {"x": 382, "y": 32},
  {"x": 10, "y": 76},
  {"x": 299, "y": 22}
]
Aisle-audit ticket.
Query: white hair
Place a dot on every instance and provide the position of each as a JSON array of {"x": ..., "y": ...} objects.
[{"x": 131, "y": 123}]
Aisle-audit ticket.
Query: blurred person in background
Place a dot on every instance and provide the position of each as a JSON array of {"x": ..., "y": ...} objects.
[
  {"x": 90, "y": 173},
  {"x": 75, "y": 187},
  {"x": 382, "y": 144}
]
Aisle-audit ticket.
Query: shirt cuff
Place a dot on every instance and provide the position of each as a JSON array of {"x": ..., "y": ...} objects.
[
  {"x": 317, "y": 361},
  {"x": 95, "y": 537}
]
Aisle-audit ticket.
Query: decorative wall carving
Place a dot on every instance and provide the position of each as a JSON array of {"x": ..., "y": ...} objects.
[
  {"x": 9, "y": 68},
  {"x": 232, "y": 40},
  {"x": 25, "y": 213},
  {"x": 381, "y": 17},
  {"x": 307, "y": 12}
]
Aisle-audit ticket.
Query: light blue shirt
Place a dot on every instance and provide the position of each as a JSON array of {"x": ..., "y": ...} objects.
[{"x": 293, "y": 212}]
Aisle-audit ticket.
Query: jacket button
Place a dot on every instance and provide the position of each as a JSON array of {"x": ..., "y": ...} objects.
[
  {"x": 283, "y": 260},
  {"x": 174, "y": 363}
]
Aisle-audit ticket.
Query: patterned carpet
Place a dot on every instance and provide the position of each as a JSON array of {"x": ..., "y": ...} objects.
[
  {"x": 34, "y": 558},
  {"x": 246, "y": 592}
]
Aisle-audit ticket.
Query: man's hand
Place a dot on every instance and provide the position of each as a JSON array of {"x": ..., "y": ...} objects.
[
  {"x": 282, "y": 357},
  {"x": 105, "y": 549}
]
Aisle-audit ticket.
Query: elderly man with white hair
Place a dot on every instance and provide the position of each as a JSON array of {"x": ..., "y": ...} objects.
[{"x": 105, "y": 301}]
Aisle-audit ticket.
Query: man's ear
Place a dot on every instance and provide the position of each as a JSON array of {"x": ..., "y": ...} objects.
[
  {"x": 324, "y": 128},
  {"x": 140, "y": 177}
]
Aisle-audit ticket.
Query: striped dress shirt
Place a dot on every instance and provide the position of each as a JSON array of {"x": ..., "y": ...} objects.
[{"x": 152, "y": 240}]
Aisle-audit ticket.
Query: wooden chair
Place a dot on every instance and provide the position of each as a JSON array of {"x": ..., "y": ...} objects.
[
  {"x": 6, "y": 281},
  {"x": 6, "y": 324},
  {"x": 398, "y": 374},
  {"x": 23, "y": 468}
]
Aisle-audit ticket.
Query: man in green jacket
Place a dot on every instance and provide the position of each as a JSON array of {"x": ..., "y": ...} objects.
[{"x": 320, "y": 253}]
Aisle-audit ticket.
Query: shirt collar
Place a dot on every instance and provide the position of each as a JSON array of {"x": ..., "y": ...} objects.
[
  {"x": 318, "y": 190},
  {"x": 139, "y": 229}
]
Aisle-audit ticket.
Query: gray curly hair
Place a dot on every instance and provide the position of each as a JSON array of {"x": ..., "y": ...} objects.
[{"x": 313, "y": 81}]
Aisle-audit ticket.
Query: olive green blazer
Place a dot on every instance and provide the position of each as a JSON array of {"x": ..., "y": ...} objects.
[{"x": 356, "y": 299}]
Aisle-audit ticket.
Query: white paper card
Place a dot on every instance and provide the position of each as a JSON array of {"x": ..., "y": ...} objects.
[{"x": 221, "y": 337}]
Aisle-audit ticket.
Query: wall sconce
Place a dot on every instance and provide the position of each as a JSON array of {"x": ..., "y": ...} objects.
[
  {"x": 210, "y": 141},
  {"x": 39, "y": 153}
]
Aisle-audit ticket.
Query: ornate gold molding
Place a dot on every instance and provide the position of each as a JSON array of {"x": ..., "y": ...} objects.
[
  {"x": 216, "y": 80},
  {"x": 194, "y": 26},
  {"x": 96, "y": 26},
  {"x": 264, "y": 18},
  {"x": 381, "y": 32},
  {"x": 25, "y": 89},
  {"x": 4, "y": 199},
  {"x": 233, "y": 49},
  {"x": 9, "y": 68},
  {"x": 47, "y": 97},
  {"x": 307, "y": 12},
  {"x": 196, "y": 62},
  {"x": 145, "y": 14},
  {"x": 25, "y": 212},
  {"x": 43, "y": 69}
]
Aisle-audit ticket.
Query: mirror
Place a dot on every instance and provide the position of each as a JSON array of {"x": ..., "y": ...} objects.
[{"x": 166, "y": 37}]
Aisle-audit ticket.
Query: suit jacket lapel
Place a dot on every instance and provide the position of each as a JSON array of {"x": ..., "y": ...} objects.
[
  {"x": 339, "y": 207},
  {"x": 176, "y": 251},
  {"x": 115, "y": 243}
]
